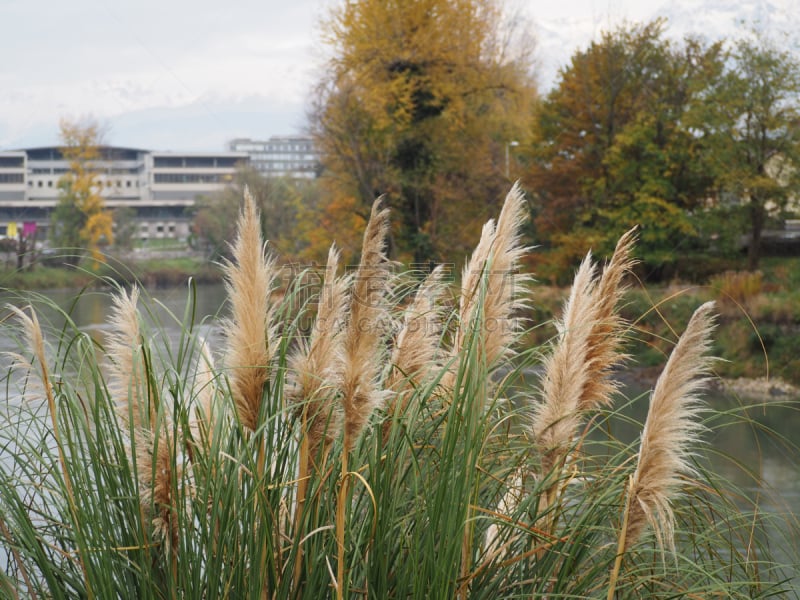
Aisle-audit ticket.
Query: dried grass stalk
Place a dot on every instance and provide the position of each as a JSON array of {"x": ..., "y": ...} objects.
[
  {"x": 577, "y": 374},
  {"x": 670, "y": 430},
  {"x": 414, "y": 351},
  {"x": 250, "y": 335}
]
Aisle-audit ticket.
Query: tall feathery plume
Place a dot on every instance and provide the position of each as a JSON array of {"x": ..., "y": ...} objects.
[
  {"x": 471, "y": 277},
  {"x": 505, "y": 296},
  {"x": 361, "y": 356},
  {"x": 416, "y": 344},
  {"x": 315, "y": 377},
  {"x": 605, "y": 338},
  {"x": 556, "y": 418},
  {"x": 159, "y": 475},
  {"x": 315, "y": 367},
  {"x": 577, "y": 372},
  {"x": 495, "y": 260},
  {"x": 155, "y": 452},
  {"x": 365, "y": 327},
  {"x": 670, "y": 430},
  {"x": 128, "y": 384},
  {"x": 33, "y": 332},
  {"x": 251, "y": 336}
]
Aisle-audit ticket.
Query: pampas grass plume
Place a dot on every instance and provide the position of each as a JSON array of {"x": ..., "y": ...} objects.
[
  {"x": 361, "y": 344},
  {"x": 251, "y": 338},
  {"x": 671, "y": 429}
]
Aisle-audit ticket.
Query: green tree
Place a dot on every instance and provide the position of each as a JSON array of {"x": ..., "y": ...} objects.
[
  {"x": 751, "y": 123},
  {"x": 611, "y": 149},
  {"x": 125, "y": 227},
  {"x": 80, "y": 221},
  {"x": 278, "y": 199},
  {"x": 418, "y": 103}
]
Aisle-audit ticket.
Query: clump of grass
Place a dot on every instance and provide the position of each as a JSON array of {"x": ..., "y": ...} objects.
[
  {"x": 737, "y": 290},
  {"x": 397, "y": 448}
]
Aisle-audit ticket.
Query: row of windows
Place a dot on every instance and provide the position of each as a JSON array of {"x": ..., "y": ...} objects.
[
  {"x": 273, "y": 148},
  {"x": 195, "y": 162},
  {"x": 192, "y": 178},
  {"x": 49, "y": 171},
  {"x": 280, "y": 156},
  {"x": 62, "y": 170},
  {"x": 286, "y": 166},
  {"x": 100, "y": 183},
  {"x": 145, "y": 228},
  {"x": 12, "y": 161},
  {"x": 11, "y": 178}
]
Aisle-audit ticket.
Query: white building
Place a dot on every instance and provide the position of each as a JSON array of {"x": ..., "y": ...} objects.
[
  {"x": 159, "y": 186},
  {"x": 281, "y": 156}
]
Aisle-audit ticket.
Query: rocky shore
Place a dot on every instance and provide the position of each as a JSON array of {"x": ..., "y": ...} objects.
[{"x": 761, "y": 388}]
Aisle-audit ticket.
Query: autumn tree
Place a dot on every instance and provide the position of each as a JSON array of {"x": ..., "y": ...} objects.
[
  {"x": 80, "y": 221},
  {"x": 611, "y": 149},
  {"x": 418, "y": 103},
  {"x": 751, "y": 122}
]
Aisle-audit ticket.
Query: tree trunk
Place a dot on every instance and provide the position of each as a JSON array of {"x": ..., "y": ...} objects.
[{"x": 757, "y": 220}]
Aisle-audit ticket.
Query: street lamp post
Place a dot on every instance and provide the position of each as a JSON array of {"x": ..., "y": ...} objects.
[{"x": 511, "y": 144}]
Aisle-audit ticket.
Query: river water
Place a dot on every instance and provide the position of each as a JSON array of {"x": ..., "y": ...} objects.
[{"x": 751, "y": 454}]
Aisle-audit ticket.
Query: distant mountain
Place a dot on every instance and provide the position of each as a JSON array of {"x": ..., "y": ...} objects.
[{"x": 710, "y": 19}]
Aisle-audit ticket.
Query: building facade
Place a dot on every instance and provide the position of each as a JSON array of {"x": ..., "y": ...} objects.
[
  {"x": 158, "y": 186},
  {"x": 281, "y": 156}
]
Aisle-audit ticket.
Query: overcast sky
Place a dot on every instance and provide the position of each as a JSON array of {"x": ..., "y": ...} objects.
[{"x": 191, "y": 74}]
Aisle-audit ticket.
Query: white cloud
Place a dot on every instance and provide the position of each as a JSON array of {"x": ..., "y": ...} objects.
[{"x": 179, "y": 68}]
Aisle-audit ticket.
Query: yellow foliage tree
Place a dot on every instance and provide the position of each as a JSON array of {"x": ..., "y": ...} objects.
[
  {"x": 419, "y": 102},
  {"x": 80, "y": 219}
]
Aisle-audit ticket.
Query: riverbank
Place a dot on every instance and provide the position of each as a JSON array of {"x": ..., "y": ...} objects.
[
  {"x": 756, "y": 337},
  {"x": 151, "y": 270}
]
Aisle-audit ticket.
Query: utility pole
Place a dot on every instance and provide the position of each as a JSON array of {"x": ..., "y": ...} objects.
[{"x": 511, "y": 144}]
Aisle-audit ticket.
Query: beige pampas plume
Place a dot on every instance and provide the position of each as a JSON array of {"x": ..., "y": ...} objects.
[
  {"x": 471, "y": 278},
  {"x": 415, "y": 347},
  {"x": 671, "y": 429},
  {"x": 577, "y": 372},
  {"x": 315, "y": 367},
  {"x": 159, "y": 474},
  {"x": 506, "y": 286},
  {"x": 557, "y": 417},
  {"x": 361, "y": 358},
  {"x": 127, "y": 381},
  {"x": 314, "y": 379},
  {"x": 33, "y": 332},
  {"x": 605, "y": 338},
  {"x": 251, "y": 339},
  {"x": 416, "y": 344},
  {"x": 494, "y": 261}
]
